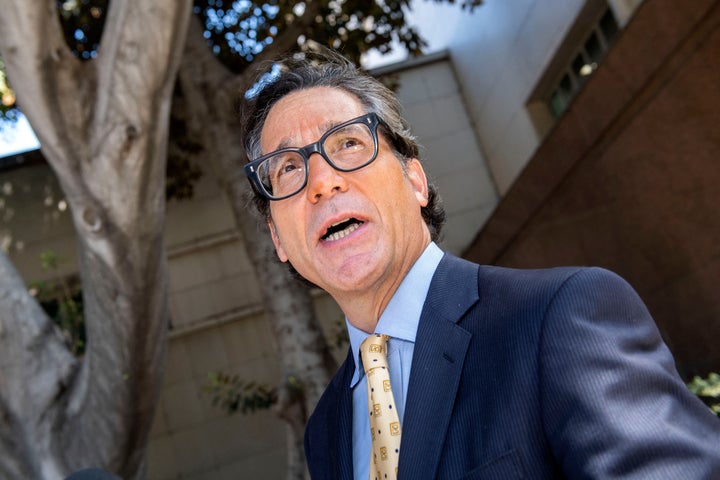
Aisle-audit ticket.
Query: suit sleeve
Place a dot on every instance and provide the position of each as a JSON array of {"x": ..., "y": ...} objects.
[{"x": 613, "y": 404}]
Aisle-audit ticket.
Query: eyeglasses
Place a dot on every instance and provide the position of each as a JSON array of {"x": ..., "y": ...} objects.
[{"x": 346, "y": 147}]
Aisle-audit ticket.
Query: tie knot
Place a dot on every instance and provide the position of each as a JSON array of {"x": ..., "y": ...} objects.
[{"x": 373, "y": 352}]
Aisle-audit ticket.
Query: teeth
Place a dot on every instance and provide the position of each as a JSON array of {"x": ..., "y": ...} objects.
[{"x": 338, "y": 235}]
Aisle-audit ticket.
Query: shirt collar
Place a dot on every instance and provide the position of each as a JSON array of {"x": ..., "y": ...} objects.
[{"x": 401, "y": 316}]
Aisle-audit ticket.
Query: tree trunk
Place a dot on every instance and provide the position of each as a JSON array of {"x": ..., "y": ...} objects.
[
  {"x": 103, "y": 127},
  {"x": 304, "y": 353},
  {"x": 35, "y": 368}
]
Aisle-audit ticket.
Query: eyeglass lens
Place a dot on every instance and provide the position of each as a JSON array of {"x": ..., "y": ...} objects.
[{"x": 348, "y": 148}]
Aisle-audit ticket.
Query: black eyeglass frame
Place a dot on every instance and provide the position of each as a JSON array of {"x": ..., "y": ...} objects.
[{"x": 371, "y": 120}]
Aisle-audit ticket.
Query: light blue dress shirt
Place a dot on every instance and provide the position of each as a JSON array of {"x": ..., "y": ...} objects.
[{"x": 400, "y": 321}]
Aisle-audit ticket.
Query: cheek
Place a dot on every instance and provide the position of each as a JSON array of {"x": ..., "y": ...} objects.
[
  {"x": 288, "y": 233},
  {"x": 279, "y": 249}
]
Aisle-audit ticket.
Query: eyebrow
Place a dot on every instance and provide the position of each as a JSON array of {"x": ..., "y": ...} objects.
[{"x": 287, "y": 142}]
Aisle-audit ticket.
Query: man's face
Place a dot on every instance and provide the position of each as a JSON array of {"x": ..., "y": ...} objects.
[{"x": 346, "y": 232}]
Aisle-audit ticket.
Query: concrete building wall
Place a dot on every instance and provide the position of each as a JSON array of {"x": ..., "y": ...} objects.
[
  {"x": 501, "y": 53},
  {"x": 33, "y": 220},
  {"x": 434, "y": 105},
  {"x": 193, "y": 439}
]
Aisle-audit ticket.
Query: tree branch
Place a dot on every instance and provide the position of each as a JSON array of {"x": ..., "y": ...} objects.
[
  {"x": 286, "y": 41},
  {"x": 35, "y": 369},
  {"x": 32, "y": 62}
]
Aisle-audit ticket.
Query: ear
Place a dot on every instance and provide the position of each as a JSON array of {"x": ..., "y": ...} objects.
[
  {"x": 418, "y": 180},
  {"x": 276, "y": 241}
]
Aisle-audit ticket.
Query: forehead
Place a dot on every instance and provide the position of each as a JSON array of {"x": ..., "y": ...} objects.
[{"x": 304, "y": 115}]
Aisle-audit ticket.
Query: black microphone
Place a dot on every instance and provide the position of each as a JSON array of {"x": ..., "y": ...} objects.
[{"x": 92, "y": 474}]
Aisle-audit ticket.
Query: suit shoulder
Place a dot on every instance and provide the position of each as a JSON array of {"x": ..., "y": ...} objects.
[
  {"x": 456, "y": 277},
  {"x": 546, "y": 278}
]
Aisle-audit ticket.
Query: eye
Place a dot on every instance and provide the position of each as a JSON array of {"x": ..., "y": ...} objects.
[
  {"x": 350, "y": 143},
  {"x": 281, "y": 170},
  {"x": 349, "y": 140},
  {"x": 286, "y": 164},
  {"x": 287, "y": 167}
]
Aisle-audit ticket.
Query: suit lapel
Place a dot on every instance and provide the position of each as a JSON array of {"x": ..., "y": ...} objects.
[
  {"x": 344, "y": 415},
  {"x": 440, "y": 348}
]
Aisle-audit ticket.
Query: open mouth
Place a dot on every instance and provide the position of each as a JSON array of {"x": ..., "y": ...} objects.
[{"x": 341, "y": 229}]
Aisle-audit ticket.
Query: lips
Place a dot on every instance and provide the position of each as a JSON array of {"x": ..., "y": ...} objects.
[{"x": 340, "y": 229}]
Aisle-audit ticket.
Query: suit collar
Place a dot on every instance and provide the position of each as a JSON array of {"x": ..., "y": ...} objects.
[
  {"x": 437, "y": 365},
  {"x": 401, "y": 316}
]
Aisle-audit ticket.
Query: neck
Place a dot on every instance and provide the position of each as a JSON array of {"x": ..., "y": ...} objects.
[{"x": 364, "y": 308}]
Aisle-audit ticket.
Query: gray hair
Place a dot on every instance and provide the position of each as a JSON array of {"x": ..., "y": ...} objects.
[{"x": 327, "y": 68}]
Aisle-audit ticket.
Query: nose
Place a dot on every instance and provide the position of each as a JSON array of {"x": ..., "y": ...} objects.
[{"x": 323, "y": 180}]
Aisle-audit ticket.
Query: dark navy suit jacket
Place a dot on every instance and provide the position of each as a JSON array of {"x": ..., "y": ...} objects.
[{"x": 539, "y": 374}]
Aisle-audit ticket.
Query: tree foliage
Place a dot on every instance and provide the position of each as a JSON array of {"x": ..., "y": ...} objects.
[
  {"x": 62, "y": 301},
  {"x": 239, "y": 31},
  {"x": 233, "y": 394},
  {"x": 82, "y": 23},
  {"x": 708, "y": 389}
]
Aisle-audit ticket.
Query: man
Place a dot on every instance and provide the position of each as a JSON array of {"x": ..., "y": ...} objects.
[{"x": 495, "y": 373}]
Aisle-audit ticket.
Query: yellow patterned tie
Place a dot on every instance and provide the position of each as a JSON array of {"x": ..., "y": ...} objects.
[{"x": 384, "y": 421}]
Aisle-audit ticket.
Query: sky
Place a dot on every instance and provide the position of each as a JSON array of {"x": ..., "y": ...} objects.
[
  {"x": 436, "y": 23},
  {"x": 18, "y": 139},
  {"x": 425, "y": 15}
]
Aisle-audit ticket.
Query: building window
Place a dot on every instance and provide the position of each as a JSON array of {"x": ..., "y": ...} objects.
[
  {"x": 584, "y": 62},
  {"x": 583, "y": 47}
]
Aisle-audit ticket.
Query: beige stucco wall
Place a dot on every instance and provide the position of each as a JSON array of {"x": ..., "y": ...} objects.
[
  {"x": 191, "y": 438},
  {"x": 435, "y": 106},
  {"x": 31, "y": 222}
]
